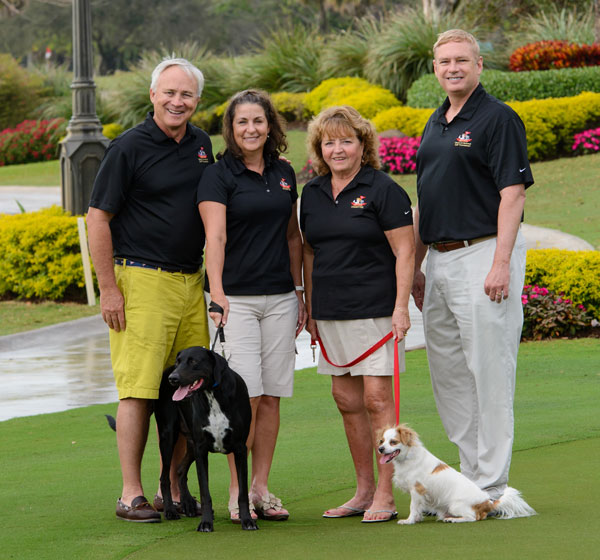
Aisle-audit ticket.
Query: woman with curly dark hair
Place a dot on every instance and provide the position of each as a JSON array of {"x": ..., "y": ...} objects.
[{"x": 247, "y": 201}]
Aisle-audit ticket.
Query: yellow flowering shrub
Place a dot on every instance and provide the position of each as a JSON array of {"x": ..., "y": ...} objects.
[
  {"x": 574, "y": 273},
  {"x": 40, "y": 256},
  {"x": 112, "y": 130},
  {"x": 366, "y": 98},
  {"x": 551, "y": 123},
  {"x": 408, "y": 120},
  {"x": 289, "y": 105},
  {"x": 210, "y": 120}
]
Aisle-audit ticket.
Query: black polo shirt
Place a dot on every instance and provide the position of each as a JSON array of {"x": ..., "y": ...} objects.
[
  {"x": 463, "y": 165},
  {"x": 148, "y": 181},
  {"x": 259, "y": 207},
  {"x": 354, "y": 268}
]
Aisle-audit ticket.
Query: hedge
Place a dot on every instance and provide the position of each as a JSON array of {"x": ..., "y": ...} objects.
[
  {"x": 513, "y": 86},
  {"x": 550, "y": 123},
  {"x": 576, "y": 274},
  {"x": 40, "y": 256}
]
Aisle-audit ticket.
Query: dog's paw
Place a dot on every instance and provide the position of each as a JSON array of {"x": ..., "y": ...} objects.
[
  {"x": 408, "y": 521},
  {"x": 171, "y": 514},
  {"x": 205, "y": 527},
  {"x": 249, "y": 525}
]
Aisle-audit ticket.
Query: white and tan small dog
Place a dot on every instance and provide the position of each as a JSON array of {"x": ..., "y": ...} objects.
[{"x": 436, "y": 487}]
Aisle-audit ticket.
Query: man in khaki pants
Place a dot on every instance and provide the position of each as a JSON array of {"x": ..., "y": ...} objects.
[{"x": 472, "y": 172}]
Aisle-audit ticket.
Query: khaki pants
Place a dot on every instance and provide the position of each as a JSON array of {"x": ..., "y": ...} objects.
[{"x": 472, "y": 346}]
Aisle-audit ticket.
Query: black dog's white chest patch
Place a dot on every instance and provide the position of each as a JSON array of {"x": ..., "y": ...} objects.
[{"x": 218, "y": 424}]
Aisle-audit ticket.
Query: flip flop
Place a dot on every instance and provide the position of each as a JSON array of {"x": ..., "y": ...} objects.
[
  {"x": 352, "y": 511},
  {"x": 393, "y": 515}
]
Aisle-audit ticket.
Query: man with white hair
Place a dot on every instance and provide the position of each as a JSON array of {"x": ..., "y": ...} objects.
[
  {"x": 472, "y": 172},
  {"x": 146, "y": 240}
]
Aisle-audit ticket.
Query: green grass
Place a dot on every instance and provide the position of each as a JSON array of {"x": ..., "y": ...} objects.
[
  {"x": 60, "y": 479},
  {"x": 41, "y": 174},
  {"x": 19, "y": 316}
]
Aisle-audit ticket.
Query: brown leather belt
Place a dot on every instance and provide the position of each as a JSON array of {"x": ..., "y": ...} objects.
[{"x": 445, "y": 246}]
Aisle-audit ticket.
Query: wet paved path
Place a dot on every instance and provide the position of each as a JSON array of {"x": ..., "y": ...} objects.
[{"x": 68, "y": 366}]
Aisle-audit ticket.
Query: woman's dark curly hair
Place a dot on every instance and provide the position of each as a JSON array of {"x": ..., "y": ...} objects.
[{"x": 276, "y": 140}]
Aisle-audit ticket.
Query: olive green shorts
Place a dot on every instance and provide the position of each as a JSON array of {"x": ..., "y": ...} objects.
[{"x": 165, "y": 312}]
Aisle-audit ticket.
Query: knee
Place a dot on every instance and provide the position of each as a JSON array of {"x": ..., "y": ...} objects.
[
  {"x": 347, "y": 401},
  {"x": 378, "y": 403}
]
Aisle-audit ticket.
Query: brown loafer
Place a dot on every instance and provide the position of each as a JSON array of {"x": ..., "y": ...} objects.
[
  {"x": 160, "y": 506},
  {"x": 140, "y": 511}
]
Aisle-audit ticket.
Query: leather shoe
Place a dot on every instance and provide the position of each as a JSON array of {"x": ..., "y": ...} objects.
[
  {"x": 160, "y": 506},
  {"x": 140, "y": 511}
]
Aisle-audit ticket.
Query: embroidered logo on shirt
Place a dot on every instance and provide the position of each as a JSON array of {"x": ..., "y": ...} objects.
[
  {"x": 284, "y": 185},
  {"x": 359, "y": 202},
  {"x": 464, "y": 139},
  {"x": 202, "y": 156}
]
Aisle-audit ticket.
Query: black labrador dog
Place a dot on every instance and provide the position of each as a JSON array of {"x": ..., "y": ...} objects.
[{"x": 205, "y": 399}]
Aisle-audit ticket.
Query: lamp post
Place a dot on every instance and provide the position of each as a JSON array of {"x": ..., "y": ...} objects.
[{"x": 83, "y": 147}]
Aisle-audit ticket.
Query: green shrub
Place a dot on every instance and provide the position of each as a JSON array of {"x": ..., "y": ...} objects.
[
  {"x": 40, "y": 256},
  {"x": 407, "y": 120},
  {"x": 511, "y": 86},
  {"x": 346, "y": 54},
  {"x": 403, "y": 51},
  {"x": 576, "y": 274},
  {"x": 576, "y": 23},
  {"x": 20, "y": 93},
  {"x": 286, "y": 59},
  {"x": 367, "y": 99}
]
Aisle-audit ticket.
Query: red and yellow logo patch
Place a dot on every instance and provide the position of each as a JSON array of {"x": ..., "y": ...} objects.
[
  {"x": 359, "y": 202},
  {"x": 284, "y": 185}
]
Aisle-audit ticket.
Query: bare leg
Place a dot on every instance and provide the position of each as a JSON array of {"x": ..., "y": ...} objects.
[
  {"x": 348, "y": 394},
  {"x": 263, "y": 448},
  {"x": 133, "y": 420},
  {"x": 379, "y": 404}
]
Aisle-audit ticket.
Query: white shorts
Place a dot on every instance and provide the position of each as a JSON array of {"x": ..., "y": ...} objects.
[
  {"x": 260, "y": 342},
  {"x": 344, "y": 341}
]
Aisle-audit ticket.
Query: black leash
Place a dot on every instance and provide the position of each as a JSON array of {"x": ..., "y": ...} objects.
[{"x": 220, "y": 334}]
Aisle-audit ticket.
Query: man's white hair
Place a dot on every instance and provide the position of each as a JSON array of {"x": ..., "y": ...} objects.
[{"x": 184, "y": 64}]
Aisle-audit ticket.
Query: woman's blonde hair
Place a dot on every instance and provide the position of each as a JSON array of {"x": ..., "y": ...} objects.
[{"x": 339, "y": 121}]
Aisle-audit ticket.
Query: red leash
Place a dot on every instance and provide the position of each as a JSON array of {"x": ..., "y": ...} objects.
[{"x": 364, "y": 355}]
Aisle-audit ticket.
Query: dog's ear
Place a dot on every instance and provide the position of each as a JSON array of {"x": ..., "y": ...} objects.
[
  {"x": 379, "y": 436},
  {"x": 219, "y": 367},
  {"x": 406, "y": 436}
]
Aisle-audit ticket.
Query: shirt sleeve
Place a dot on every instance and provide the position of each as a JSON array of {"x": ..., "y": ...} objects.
[
  {"x": 508, "y": 160},
  {"x": 113, "y": 180},
  {"x": 393, "y": 206},
  {"x": 213, "y": 186}
]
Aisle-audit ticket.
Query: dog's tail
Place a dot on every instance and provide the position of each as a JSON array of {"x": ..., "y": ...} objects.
[
  {"x": 111, "y": 422},
  {"x": 511, "y": 505}
]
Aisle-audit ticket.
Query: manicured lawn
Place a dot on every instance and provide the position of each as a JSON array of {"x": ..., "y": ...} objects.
[
  {"x": 18, "y": 316},
  {"x": 60, "y": 479}
]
